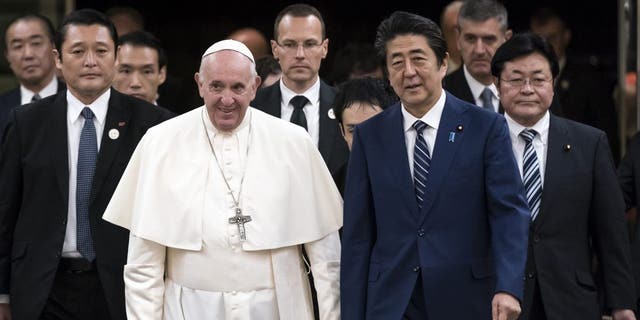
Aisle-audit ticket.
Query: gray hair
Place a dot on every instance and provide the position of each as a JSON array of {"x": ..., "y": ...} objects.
[{"x": 483, "y": 10}]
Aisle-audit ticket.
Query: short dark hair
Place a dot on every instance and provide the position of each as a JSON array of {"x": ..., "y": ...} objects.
[
  {"x": 84, "y": 17},
  {"x": 405, "y": 23},
  {"x": 483, "y": 10},
  {"x": 266, "y": 66},
  {"x": 145, "y": 39},
  {"x": 366, "y": 90},
  {"x": 520, "y": 45},
  {"x": 298, "y": 10},
  {"x": 46, "y": 23},
  {"x": 544, "y": 15},
  {"x": 353, "y": 58},
  {"x": 134, "y": 14}
]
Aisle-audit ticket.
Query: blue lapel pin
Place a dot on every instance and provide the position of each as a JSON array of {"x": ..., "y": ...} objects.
[{"x": 452, "y": 136}]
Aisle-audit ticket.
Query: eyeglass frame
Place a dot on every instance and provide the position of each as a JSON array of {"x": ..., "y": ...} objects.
[
  {"x": 307, "y": 45},
  {"x": 521, "y": 82}
]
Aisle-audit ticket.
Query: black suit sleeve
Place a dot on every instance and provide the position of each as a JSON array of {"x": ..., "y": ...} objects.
[
  {"x": 10, "y": 197},
  {"x": 626, "y": 173},
  {"x": 610, "y": 237}
]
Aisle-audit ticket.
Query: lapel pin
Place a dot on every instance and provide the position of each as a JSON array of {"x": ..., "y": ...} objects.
[
  {"x": 114, "y": 134},
  {"x": 459, "y": 128},
  {"x": 331, "y": 114},
  {"x": 452, "y": 136},
  {"x": 567, "y": 147},
  {"x": 121, "y": 124}
]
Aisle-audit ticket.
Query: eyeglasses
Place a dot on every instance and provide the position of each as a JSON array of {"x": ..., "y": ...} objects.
[
  {"x": 292, "y": 46},
  {"x": 520, "y": 82}
]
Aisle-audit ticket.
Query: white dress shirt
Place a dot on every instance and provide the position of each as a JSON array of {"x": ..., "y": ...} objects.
[
  {"x": 311, "y": 109},
  {"x": 50, "y": 89},
  {"x": 431, "y": 118},
  {"x": 75, "y": 122},
  {"x": 477, "y": 88},
  {"x": 540, "y": 142}
]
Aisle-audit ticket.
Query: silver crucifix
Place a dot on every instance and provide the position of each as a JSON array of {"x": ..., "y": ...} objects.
[{"x": 240, "y": 220}]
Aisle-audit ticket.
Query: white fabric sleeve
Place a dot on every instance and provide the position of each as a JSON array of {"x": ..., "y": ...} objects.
[
  {"x": 144, "y": 279},
  {"x": 324, "y": 256}
]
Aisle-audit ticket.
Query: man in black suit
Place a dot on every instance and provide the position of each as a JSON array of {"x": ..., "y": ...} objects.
[
  {"x": 482, "y": 28},
  {"x": 29, "y": 45},
  {"x": 61, "y": 160},
  {"x": 628, "y": 174},
  {"x": 300, "y": 44},
  {"x": 579, "y": 89},
  {"x": 576, "y": 204}
]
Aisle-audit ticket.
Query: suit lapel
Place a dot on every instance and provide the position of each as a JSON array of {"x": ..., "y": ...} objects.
[
  {"x": 118, "y": 116},
  {"x": 443, "y": 151},
  {"x": 557, "y": 161},
  {"x": 396, "y": 153},
  {"x": 274, "y": 100},
  {"x": 59, "y": 143},
  {"x": 328, "y": 126}
]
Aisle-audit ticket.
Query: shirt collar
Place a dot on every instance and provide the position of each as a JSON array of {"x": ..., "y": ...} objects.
[
  {"x": 477, "y": 87},
  {"x": 50, "y": 89},
  {"x": 541, "y": 127},
  {"x": 313, "y": 93},
  {"x": 431, "y": 118},
  {"x": 98, "y": 107}
]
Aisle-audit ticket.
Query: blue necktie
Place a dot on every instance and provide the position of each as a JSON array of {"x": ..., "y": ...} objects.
[
  {"x": 531, "y": 173},
  {"x": 421, "y": 163},
  {"x": 487, "y": 102},
  {"x": 87, "y": 155}
]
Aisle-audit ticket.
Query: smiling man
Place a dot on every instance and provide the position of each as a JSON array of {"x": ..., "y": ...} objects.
[
  {"x": 62, "y": 157},
  {"x": 141, "y": 66},
  {"x": 257, "y": 191}
]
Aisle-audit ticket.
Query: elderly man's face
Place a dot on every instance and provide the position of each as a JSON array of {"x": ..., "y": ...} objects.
[
  {"x": 526, "y": 88},
  {"x": 29, "y": 52},
  {"x": 227, "y": 85},
  {"x": 478, "y": 42}
]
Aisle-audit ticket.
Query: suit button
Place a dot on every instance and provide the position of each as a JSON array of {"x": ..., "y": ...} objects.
[
  {"x": 58, "y": 254},
  {"x": 421, "y": 233},
  {"x": 416, "y": 268},
  {"x": 536, "y": 238},
  {"x": 530, "y": 275},
  {"x": 64, "y": 222}
]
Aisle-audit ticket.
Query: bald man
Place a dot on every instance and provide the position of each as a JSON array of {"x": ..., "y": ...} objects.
[{"x": 253, "y": 39}]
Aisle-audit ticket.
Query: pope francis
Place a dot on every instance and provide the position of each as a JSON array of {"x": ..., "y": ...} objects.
[{"x": 219, "y": 202}]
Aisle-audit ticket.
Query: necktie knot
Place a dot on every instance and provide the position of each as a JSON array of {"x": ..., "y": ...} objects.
[
  {"x": 35, "y": 97},
  {"x": 299, "y": 102},
  {"x": 419, "y": 125},
  {"x": 87, "y": 113},
  {"x": 487, "y": 99},
  {"x": 528, "y": 134}
]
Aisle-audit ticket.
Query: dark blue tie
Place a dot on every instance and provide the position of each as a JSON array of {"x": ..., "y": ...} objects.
[
  {"x": 87, "y": 155},
  {"x": 531, "y": 172},
  {"x": 298, "y": 116},
  {"x": 421, "y": 163},
  {"x": 487, "y": 102}
]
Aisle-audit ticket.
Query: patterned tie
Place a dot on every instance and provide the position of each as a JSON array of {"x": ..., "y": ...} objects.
[
  {"x": 35, "y": 97},
  {"x": 531, "y": 172},
  {"x": 421, "y": 162},
  {"x": 297, "y": 116},
  {"x": 486, "y": 97},
  {"x": 87, "y": 155}
]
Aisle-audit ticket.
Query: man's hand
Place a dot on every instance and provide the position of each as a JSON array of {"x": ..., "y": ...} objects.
[
  {"x": 504, "y": 307},
  {"x": 5, "y": 311},
  {"x": 623, "y": 314}
]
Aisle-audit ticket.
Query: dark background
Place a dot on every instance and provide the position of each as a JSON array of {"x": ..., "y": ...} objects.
[{"x": 188, "y": 27}]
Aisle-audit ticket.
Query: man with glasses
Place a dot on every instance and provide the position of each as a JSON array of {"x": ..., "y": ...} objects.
[
  {"x": 570, "y": 180},
  {"x": 299, "y": 45}
]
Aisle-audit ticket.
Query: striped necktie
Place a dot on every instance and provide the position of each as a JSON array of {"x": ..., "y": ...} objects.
[
  {"x": 531, "y": 172},
  {"x": 87, "y": 155},
  {"x": 421, "y": 162}
]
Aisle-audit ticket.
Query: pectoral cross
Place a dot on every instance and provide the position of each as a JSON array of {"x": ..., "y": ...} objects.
[{"x": 240, "y": 220}]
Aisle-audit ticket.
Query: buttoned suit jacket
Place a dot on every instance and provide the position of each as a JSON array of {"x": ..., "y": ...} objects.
[
  {"x": 12, "y": 99},
  {"x": 331, "y": 144},
  {"x": 581, "y": 214},
  {"x": 34, "y": 187},
  {"x": 470, "y": 238}
]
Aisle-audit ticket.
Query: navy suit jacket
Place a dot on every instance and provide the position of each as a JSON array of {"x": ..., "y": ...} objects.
[
  {"x": 469, "y": 241},
  {"x": 10, "y": 100}
]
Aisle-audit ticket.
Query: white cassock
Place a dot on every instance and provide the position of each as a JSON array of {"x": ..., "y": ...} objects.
[{"x": 186, "y": 261}]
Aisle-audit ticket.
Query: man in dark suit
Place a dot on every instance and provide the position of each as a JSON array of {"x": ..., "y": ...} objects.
[
  {"x": 300, "y": 96},
  {"x": 482, "y": 28},
  {"x": 628, "y": 175},
  {"x": 579, "y": 89},
  {"x": 62, "y": 158},
  {"x": 29, "y": 45},
  {"x": 577, "y": 209},
  {"x": 435, "y": 220}
]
